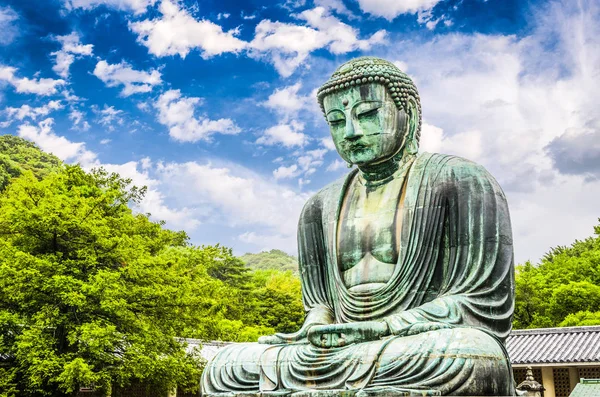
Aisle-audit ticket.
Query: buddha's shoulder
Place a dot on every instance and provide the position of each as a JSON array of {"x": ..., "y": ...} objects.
[
  {"x": 448, "y": 166},
  {"x": 329, "y": 194}
]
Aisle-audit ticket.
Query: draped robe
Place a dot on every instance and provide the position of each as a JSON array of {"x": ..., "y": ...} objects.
[{"x": 448, "y": 304}]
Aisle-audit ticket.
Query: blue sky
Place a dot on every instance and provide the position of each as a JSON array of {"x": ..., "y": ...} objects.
[{"x": 211, "y": 104}]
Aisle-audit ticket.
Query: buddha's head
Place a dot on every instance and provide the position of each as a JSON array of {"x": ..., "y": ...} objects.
[{"x": 373, "y": 111}]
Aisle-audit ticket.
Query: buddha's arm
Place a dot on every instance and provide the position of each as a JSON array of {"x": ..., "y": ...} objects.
[
  {"x": 474, "y": 254},
  {"x": 311, "y": 261}
]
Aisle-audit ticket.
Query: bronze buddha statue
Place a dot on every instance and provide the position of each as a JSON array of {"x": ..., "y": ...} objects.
[{"x": 406, "y": 264}]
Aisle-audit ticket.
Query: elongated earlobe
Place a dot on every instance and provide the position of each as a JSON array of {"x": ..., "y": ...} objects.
[{"x": 412, "y": 145}]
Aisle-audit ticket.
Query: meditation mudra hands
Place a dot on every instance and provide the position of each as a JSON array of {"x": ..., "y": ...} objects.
[
  {"x": 332, "y": 335},
  {"x": 338, "y": 335}
]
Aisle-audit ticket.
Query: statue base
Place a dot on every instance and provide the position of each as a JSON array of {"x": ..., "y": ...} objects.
[{"x": 385, "y": 391}]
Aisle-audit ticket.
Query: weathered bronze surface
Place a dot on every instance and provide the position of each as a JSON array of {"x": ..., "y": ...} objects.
[{"x": 406, "y": 265}]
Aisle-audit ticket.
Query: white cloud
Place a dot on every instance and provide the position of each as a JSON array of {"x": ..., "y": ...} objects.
[
  {"x": 135, "y": 6},
  {"x": 108, "y": 116},
  {"x": 69, "y": 96},
  {"x": 78, "y": 119},
  {"x": 26, "y": 111},
  {"x": 327, "y": 143},
  {"x": 467, "y": 144},
  {"x": 310, "y": 161},
  {"x": 401, "y": 65},
  {"x": 286, "y": 172},
  {"x": 288, "y": 135},
  {"x": 143, "y": 106},
  {"x": 105, "y": 141},
  {"x": 390, "y": 9},
  {"x": 177, "y": 113},
  {"x": 287, "y": 45},
  {"x": 146, "y": 163},
  {"x": 133, "y": 81},
  {"x": 24, "y": 85},
  {"x": 342, "y": 38},
  {"x": 61, "y": 147},
  {"x": 8, "y": 27},
  {"x": 336, "y": 165},
  {"x": 71, "y": 49},
  {"x": 154, "y": 202},
  {"x": 286, "y": 100},
  {"x": 237, "y": 197},
  {"x": 307, "y": 163},
  {"x": 177, "y": 33},
  {"x": 335, "y": 5}
]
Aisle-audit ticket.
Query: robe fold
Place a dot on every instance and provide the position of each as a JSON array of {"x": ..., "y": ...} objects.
[{"x": 448, "y": 303}]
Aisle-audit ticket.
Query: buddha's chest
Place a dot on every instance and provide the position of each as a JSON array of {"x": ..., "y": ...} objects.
[{"x": 368, "y": 233}]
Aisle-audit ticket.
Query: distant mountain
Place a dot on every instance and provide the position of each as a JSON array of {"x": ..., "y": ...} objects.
[
  {"x": 18, "y": 155},
  {"x": 274, "y": 259}
]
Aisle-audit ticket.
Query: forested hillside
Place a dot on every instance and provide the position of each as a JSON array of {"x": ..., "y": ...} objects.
[
  {"x": 92, "y": 293},
  {"x": 271, "y": 260},
  {"x": 18, "y": 155}
]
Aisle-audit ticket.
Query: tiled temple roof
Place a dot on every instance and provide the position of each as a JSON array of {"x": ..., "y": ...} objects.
[{"x": 554, "y": 345}]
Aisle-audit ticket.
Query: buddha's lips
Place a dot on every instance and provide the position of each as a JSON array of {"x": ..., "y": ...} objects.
[{"x": 353, "y": 147}]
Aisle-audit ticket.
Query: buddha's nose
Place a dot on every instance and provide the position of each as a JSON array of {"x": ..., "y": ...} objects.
[{"x": 352, "y": 132}]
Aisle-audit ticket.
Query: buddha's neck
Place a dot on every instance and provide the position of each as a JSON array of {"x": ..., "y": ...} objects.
[{"x": 380, "y": 173}]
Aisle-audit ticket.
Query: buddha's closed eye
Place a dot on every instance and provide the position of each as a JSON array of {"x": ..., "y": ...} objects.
[{"x": 368, "y": 113}]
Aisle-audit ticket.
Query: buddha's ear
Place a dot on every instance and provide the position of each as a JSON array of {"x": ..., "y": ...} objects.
[{"x": 412, "y": 114}]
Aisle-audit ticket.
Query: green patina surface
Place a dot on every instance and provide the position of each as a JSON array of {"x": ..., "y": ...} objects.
[{"x": 406, "y": 265}]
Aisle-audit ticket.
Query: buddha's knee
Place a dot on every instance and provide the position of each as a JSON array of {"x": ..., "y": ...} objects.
[
  {"x": 234, "y": 368},
  {"x": 472, "y": 343},
  {"x": 454, "y": 361},
  {"x": 454, "y": 343}
]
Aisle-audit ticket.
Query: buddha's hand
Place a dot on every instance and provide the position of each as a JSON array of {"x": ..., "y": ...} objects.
[
  {"x": 280, "y": 339},
  {"x": 421, "y": 327},
  {"x": 337, "y": 335}
]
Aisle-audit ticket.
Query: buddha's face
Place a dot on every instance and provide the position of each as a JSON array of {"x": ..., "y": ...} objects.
[{"x": 366, "y": 125}]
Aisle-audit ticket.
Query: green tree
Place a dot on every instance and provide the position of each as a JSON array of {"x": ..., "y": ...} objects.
[
  {"x": 91, "y": 293},
  {"x": 563, "y": 290},
  {"x": 581, "y": 318},
  {"x": 278, "y": 301}
]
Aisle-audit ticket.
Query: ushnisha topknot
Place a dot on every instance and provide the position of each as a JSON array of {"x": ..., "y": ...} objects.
[{"x": 366, "y": 70}]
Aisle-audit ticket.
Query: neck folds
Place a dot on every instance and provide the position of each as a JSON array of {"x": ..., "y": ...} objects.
[{"x": 380, "y": 173}]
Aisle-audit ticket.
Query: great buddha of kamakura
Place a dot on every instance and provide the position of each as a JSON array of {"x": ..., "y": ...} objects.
[{"x": 406, "y": 264}]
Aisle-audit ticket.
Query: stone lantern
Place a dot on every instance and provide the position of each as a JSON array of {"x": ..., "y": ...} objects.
[{"x": 530, "y": 387}]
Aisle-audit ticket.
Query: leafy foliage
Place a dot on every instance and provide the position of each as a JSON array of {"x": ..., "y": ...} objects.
[
  {"x": 18, "y": 155},
  {"x": 564, "y": 290},
  {"x": 278, "y": 300},
  {"x": 271, "y": 260},
  {"x": 93, "y": 294}
]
